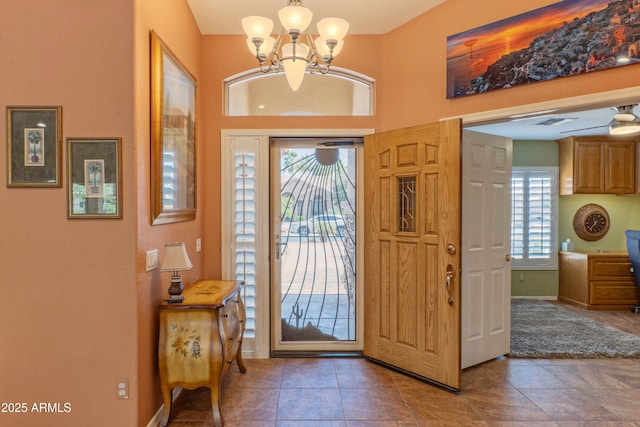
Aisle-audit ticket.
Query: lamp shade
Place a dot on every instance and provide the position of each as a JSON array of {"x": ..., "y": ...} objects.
[
  {"x": 257, "y": 27},
  {"x": 624, "y": 122},
  {"x": 294, "y": 66},
  {"x": 333, "y": 28},
  {"x": 295, "y": 18},
  {"x": 625, "y": 114},
  {"x": 175, "y": 257},
  {"x": 624, "y": 128}
]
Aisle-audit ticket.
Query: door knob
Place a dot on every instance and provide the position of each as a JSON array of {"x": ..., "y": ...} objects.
[
  {"x": 507, "y": 257},
  {"x": 451, "y": 249}
]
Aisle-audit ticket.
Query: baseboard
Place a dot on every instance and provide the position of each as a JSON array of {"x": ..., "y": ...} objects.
[
  {"x": 541, "y": 297},
  {"x": 155, "y": 421}
]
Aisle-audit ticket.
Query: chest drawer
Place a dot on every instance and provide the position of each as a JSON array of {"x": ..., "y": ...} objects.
[
  {"x": 199, "y": 340},
  {"x": 614, "y": 292},
  {"x": 617, "y": 268},
  {"x": 230, "y": 331}
]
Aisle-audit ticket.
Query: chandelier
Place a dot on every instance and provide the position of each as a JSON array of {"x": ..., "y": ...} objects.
[{"x": 296, "y": 56}]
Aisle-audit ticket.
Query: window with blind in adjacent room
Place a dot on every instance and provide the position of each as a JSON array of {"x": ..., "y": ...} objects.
[{"x": 534, "y": 207}]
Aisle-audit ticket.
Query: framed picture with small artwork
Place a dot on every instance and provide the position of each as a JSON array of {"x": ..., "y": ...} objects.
[{"x": 34, "y": 146}]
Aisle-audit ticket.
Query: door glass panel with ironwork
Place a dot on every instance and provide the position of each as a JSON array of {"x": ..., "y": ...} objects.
[{"x": 314, "y": 293}]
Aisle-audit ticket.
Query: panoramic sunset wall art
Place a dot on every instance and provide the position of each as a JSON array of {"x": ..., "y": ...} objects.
[{"x": 563, "y": 39}]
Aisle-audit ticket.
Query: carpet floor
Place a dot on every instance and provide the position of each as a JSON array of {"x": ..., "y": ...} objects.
[{"x": 543, "y": 330}]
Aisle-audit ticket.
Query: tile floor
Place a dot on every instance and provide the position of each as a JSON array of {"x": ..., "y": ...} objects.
[{"x": 352, "y": 392}]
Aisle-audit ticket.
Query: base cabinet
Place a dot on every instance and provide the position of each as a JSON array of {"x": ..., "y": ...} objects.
[
  {"x": 199, "y": 340},
  {"x": 597, "y": 280}
]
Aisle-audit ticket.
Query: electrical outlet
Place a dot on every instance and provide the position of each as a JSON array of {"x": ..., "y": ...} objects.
[
  {"x": 122, "y": 389},
  {"x": 198, "y": 245},
  {"x": 522, "y": 277},
  {"x": 152, "y": 260}
]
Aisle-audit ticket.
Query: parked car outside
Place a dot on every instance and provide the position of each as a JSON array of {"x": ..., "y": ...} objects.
[
  {"x": 294, "y": 226},
  {"x": 327, "y": 224}
]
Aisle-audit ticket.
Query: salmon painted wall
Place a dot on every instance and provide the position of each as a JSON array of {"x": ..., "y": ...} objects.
[
  {"x": 174, "y": 24},
  {"x": 409, "y": 65},
  {"x": 69, "y": 303},
  {"x": 225, "y": 56},
  {"x": 81, "y": 311},
  {"x": 415, "y": 61}
]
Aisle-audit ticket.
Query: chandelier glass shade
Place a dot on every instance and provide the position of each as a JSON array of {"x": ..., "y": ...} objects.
[{"x": 294, "y": 50}]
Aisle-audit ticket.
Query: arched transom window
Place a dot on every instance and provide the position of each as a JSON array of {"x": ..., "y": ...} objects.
[{"x": 339, "y": 93}]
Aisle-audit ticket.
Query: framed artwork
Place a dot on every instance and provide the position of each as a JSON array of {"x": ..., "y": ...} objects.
[
  {"x": 563, "y": 39},
  {"x": 34, "y": 146},
  {"x": 94, "y": 168},
  {"x": 173, "y": 137}
]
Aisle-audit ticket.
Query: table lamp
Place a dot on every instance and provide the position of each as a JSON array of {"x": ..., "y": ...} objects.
[{"x": 176, "y": 259}]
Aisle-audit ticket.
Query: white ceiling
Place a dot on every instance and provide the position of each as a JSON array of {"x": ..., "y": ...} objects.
[
  {"x": 382, "y": 16},
  {"x": 364, "y": 16},
  {"x": 542, "y": 127}
]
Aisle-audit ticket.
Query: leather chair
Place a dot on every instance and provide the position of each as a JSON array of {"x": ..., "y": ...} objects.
[{"x": 633, "y": 247}]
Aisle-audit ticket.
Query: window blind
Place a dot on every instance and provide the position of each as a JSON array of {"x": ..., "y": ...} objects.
[
  {"x": 244, "y": 233},
  {"x": 533, "y": 218}
]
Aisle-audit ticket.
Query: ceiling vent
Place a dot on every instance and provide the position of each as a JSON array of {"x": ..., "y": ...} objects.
[{"x": 556, "y": 121}]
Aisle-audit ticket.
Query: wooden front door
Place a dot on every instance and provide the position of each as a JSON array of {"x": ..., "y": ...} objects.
[{"x": 412, "y": 256}]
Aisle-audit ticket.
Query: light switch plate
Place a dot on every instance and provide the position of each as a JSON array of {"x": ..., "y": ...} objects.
[
  {"x": 198, "y": 244},
  {"x": 152, "y": 260}
]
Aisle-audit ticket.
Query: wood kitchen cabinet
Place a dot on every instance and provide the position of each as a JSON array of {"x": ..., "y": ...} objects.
[
  {"x": 199, "y": 340},
  {"x": 597, "y": 280},
  {"x": 597, "y": 165}
]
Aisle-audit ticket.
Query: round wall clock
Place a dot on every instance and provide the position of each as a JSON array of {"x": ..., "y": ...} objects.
[{"x": 591, "y": 222}]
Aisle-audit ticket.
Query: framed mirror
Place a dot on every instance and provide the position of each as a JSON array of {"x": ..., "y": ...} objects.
[{"x": 173, "y": 137}]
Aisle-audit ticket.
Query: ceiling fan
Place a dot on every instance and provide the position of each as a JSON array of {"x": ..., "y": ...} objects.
[{"x": 624, "y": 122}]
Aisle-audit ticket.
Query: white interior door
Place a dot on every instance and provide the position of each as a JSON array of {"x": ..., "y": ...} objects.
[{"x": 486, "y": 270}]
